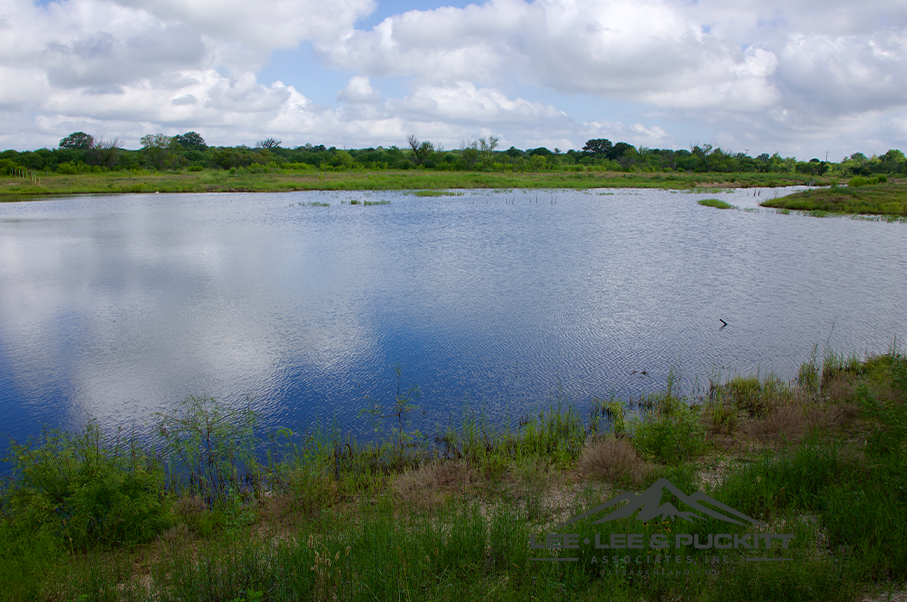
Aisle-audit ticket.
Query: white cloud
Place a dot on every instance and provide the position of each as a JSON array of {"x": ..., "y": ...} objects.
[
  {"x": 645, "y": 50},
  {"x": 265, "y": 24},
  {"x": 464, "y": 103},
  {"x": 359, "y": 90},
  {"x": 775, "y": 73}
]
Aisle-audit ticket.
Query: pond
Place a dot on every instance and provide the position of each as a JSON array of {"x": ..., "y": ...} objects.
[{"x": 114, "y": 308}]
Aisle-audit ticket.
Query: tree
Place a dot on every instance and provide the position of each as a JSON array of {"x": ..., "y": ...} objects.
[
  {"x": 421, "y": 150},
  {"x": 106, "y": 153},
  {"x": 191, "y": 140},
  {"x": 599, "y": 147},
  {"x": 77, "y": 141},
  {"x": 160, "y": 150},
  {"x": 268, "y": 143}
]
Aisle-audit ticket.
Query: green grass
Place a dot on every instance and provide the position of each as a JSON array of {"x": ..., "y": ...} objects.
[
  {"x": 867, "y": 196},
  {"x": 198, "y": 517},
  {"x": 423, "y": 183},
  {"x": 716, "y": 204}
]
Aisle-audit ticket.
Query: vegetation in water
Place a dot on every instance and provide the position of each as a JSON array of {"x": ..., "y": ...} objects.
[
  {"x": 717, "y": 204},
  {"x": 868, "y": 196},
  {"x": 213, "y": 511}
]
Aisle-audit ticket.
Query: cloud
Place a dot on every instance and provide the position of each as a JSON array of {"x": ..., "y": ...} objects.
[
  {"x": 464, "y": 103},
  {"x": 845, "y": 74},
  {"x": 266, "y": 24},
  {"x": 649, "y": 51},
  {"x": 359, "y": 90},
  {"x": 101, "y": 58},
  {"x": 774, "y": 73}
]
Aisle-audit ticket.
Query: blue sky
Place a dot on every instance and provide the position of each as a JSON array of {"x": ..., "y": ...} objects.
[{"x": 797, "y": 77}]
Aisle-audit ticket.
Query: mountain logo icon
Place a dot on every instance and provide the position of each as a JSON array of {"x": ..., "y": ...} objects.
[{"x": 649, "y": 506}]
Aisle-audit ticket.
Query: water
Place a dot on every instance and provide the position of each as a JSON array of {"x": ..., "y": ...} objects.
[{"x": 117, "y": 307}]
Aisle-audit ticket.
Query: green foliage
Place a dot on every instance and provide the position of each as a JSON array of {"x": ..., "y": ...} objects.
[
  {"x": 670, "y": 429},
  {"x": 71, "y": 168},
  {"x": 84, "y": 491},
  {"x": 794, "y": 480},
  {"x": 78, "y": 141},
  {"x": 191, "y": 140},
  {"x": 161, "y": 151},
  {"x": 209, "y": 448},
  {"x": 808, "y": 375},
  {"x": 716, "y": 204},
  {"x": 756, "y": 396},
  {"x": 858, "y": 181}
]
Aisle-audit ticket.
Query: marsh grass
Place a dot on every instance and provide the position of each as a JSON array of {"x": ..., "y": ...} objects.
[
  {"x": 338, "y": 520},
  {"x": 717, "y": 204},
  {"x": 419, "y": 181},
  {"x": 888, "y": 199}
]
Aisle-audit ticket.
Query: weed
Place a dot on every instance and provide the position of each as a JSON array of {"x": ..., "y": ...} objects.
[
  {"x": 669, "y": 430},
  {"x": 207, "y": 447}
]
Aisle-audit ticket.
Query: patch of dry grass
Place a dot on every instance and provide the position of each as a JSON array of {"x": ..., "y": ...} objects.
[
  {"x": 430, "y": 484},
  {"x": 613, "y": 460},
  {"x": 784, "y": 423}
]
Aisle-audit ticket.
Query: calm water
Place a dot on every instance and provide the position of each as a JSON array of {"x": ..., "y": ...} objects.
[{"x": 118, "y": 307}]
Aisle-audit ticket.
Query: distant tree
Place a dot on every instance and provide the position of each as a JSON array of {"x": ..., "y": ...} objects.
[
  {"x": 160, "y": 150},
  {"x": 421, "y": 150},
  {"x": 893, "y": 155},
  {"x": 106, "y": 153},
  {"x": 599, "y": 147},
  {"x": 77, "y": 141},
  {"x": 268, "y": 143},
  {"x": 539, "y": 151},
  {"x": 703, "y": 152},
  {"x": 620, "y": 149},
  {"x": 191, "y": 140}
]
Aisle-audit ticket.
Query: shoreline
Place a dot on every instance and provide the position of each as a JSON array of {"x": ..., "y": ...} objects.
[
  {"x": 477, "y": 507},
  {"x": 52, "y": 184}
]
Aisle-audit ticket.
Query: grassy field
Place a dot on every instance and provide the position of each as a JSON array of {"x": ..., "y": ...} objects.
[
  {"x": 861, "y": 196},
  {"x": 12, "y": 188},
  {"x": 217, "y": 512}
]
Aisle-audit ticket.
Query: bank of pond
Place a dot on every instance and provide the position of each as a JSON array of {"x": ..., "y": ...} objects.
[{"x": 756, "y": 489}]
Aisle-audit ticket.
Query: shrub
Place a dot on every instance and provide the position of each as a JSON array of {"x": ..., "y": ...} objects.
[
  {"x": 670, "y": 431},
  {"x": 613, "y": 460},
  {"x": 86, "y": 492}
]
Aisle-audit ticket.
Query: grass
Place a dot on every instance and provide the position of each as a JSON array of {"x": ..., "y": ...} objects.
[
  {"x": 201, "y": 516},
  {"x": 423, "y": 183},
  {"x": 865, "y": 196},
  {"x": 716, "y": 204}
]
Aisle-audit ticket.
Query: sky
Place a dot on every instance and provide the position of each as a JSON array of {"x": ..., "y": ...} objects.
[{"x": 803, "y": 78}]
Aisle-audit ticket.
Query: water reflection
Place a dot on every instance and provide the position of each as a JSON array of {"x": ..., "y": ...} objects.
[{"x": 119, "y": 307}]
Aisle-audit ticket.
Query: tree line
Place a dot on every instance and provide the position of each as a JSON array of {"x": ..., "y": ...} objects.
[{"x": 83, "y": 153}]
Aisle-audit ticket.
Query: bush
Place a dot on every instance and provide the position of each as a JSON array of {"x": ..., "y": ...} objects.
[
  {"x": 613, "y": 460},
  {"x": 670, "y": 431},
  {"x": 85, "y": 492}
]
